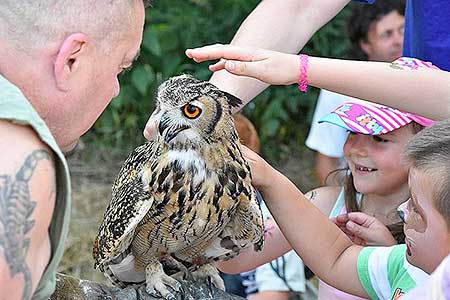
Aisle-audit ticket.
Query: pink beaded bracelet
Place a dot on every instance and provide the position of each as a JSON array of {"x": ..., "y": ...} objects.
[{"x": 303, "y": 77}]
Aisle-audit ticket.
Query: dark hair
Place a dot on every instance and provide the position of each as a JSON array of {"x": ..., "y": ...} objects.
[
  {"x": 351, "y": 204},
  {"x": 429, "y": 152},
  {"x": 363, "y": 16},
  {"x": 396, "y": 229}
]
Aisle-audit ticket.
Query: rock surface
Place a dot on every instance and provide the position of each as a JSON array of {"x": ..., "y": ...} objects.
[{"x": 71, "y": 288}]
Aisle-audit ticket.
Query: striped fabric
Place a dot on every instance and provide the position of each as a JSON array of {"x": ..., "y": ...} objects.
[
  {"x": 437, "y": 287},
  {"x": 413, "y": 63},
  {"x": 371, "y": 118},
  {"x": 386, "y": 274}
]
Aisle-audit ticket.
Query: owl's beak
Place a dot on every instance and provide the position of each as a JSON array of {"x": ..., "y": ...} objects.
[{"x": 168, "y": 130}]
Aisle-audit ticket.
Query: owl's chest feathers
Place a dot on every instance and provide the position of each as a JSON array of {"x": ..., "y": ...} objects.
[
  {"x": 190, "y": 163},
  {"x": 197, "y": 193}
]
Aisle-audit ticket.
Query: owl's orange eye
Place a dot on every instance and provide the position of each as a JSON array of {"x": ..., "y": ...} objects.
[{"x": 191, "y": 111}]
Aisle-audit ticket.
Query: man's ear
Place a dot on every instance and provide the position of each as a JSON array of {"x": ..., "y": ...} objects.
[
  {"x": 365, "y": 47},
  {"x": 68, "y": 58}
]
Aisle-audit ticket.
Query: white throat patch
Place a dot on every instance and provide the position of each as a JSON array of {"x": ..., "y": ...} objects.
[{"x": 188, "y": 158}]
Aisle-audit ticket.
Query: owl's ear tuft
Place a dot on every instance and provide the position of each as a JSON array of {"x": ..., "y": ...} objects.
[{"x": 233, "y": 100}]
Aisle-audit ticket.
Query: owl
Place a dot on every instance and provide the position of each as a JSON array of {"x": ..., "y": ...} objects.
[{"x": 183, "y": 200}]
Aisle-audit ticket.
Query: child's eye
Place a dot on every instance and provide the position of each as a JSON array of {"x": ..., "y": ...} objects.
[{"x": 378, "y": 139}]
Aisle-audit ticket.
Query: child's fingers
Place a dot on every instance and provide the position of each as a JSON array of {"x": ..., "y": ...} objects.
[
  {"x": 220, "y": 65},
  {"x": 218, "y": 51},
  {"x": 359, "y": 241},
  {"x": 346, "y": 231},
  {"x": 342, "y": 227},
  {"x": 355, "y": 239},
  {"x": 339, "y": 224},
  {"x": 342, "y": 218},
  {"x": 357, "y": 230},
  {"x": 250, "y": 69},
  {"x": 360, "y": 218}
]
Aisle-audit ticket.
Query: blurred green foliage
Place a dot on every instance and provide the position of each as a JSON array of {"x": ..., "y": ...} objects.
[{"x": 280, "y": 114}]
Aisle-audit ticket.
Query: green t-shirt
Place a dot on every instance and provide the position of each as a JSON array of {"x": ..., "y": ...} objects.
[
  {"x": 16, "y": 108},
  {"x": 385, "y": 273}
]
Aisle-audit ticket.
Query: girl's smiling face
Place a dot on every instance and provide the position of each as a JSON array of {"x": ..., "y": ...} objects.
[
  {"x": 426, "y": 230},
  {"x": 375, "y": 161}
]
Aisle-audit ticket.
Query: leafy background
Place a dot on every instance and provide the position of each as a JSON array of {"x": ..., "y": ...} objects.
[{"x": 281, "y": 114}]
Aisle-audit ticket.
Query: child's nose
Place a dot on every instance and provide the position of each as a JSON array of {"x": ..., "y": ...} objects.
[{"x": 359, "y": 145}]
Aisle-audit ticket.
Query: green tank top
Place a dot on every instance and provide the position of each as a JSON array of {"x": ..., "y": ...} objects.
[{"x": 16, "y": 108}]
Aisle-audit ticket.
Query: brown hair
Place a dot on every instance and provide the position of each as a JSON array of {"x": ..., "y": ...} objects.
[
  {"x": 351, "y": 204},
  {"x": 362, "y": 17},
  {"x": 429, "y": 152}
]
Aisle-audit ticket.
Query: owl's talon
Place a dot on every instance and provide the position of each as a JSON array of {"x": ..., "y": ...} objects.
[
  {"x": 152, "y": 292},
  {"x": 158, "y": 283},
  {"x": 156, "y": 294},
  {"x": 211, "y": 274},
  {"x": 171, "y": 297},
  {"x": 189, "y": 276}
]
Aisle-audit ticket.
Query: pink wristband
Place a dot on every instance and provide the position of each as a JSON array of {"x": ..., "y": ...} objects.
[{"x": 303, "y": 77}]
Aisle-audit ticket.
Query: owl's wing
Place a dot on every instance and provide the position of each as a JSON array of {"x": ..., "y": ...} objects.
[
  {"x": 245, "y": 229},
  {"x": 129, "y": 204},
  {"x": 249, "y": 220}
]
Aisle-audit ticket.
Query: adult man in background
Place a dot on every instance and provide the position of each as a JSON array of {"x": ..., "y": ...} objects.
[
  {"x": 375, "y": 33},
  {"x": 59, "y": 62}
]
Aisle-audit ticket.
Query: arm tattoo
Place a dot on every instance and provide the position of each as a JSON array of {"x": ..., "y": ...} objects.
[{"x": 16, "y": 209}]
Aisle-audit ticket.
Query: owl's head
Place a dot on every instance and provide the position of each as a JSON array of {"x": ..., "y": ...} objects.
[{"x": 191, "y": 111}]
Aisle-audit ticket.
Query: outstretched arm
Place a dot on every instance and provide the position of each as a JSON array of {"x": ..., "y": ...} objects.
[
  {"x": 324, "y": 248},
  {"x": 423, "y": 91},
  {"x": 282, "y": 25}
]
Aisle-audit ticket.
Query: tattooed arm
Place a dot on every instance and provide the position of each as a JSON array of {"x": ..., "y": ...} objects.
[{"x": 27, "y": 198}]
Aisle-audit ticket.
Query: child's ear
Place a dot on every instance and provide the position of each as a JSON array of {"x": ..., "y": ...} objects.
[{"x": 67, "y": 60}]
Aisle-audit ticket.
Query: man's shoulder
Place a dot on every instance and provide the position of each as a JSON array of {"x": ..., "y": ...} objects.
[{"x": 17, "y": 141}]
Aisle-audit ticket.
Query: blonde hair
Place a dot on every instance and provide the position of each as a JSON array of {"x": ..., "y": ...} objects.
[
  {"x": 28, "y": 24},
  {"x": 429, "y": 152}
]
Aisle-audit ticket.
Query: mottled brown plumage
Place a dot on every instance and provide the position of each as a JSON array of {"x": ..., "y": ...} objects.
[{"x": 184, "y": 200}]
